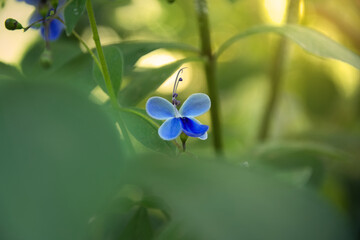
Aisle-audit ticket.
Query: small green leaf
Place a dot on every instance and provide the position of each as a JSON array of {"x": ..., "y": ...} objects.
[
  {"x": 72, "y": 14},
  {"x": 114, "y": 60},
  {"x": 143, "y": 82},
  {"x": 145, "y": 131},
  {"x": 139, "y": 227},
  {"x": 309, "y": 39}
]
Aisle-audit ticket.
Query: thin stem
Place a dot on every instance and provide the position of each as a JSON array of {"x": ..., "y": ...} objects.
[
  {"x": 84, "y": 44},
  {"x": 104, "y": 67},
  {"x": 87, "y": 48},
  {"x": 210, "y": 71},
  {"x": 276, "y": 74},
  {"x": 105, "y": 72}
]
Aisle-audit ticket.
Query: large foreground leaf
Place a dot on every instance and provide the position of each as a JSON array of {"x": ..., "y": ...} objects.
[
  {"x": 218, "y": 201},
  {"x": 59, "y": 161},
  {"x": 311, "y": 40}
]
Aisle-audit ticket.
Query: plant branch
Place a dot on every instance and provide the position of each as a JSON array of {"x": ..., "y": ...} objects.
[
  {"x": 276, "y": 74},
  {"x": 210, "y": 71},
  {"x": 104, "y": 67}
]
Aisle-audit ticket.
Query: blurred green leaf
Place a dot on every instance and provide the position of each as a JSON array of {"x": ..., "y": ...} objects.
[
  {"x": 145, "y": 81},
  {"x": 133, "y": 50},
  {"x": 139, "y": 227},
  {"x": 114, "y": 60},
  {"x": 8, "y": 72},
  {"x": 60, "y": 160},
  {"x": 220, "y": 201},
  {"x": 75, "y": 73},
  {"x": 311, "y": 40},
  {"x": 297, "y": 155},
  {"x": 72, "y": 14},
  {"x": 145, "y": 131},
  {"x": 61, "y": 52}
]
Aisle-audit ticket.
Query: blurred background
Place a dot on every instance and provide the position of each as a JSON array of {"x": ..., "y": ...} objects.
[
  {"x": 320, "y": 98},
  {"x": 315, "y": 132}
]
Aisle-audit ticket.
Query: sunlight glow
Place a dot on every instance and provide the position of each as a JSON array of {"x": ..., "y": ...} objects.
[
  {"x": 346, "y": 77},
  {"x": 275, "y": 10},
  {"x": 107, "y": 36},
  {"x": 160, "y": 58},
  {"x": 98, "y": 95},
  {"x": 138, "y": 13},
  {"x": 156, "y": 59},
  {"x": 14, "y": 43},
  {"x": 301, "y": 9}
]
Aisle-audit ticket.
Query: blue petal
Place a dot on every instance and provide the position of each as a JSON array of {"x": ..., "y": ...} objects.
[
  {"x": 192, "y": 127},
  {"x": 55, "y": 29},
  {"x": 159, "y": 108},
  {"x": 170, "y": 129},
  {"x": 195, "y": 105},
  {"x": 204, "y": 136},
  {"x": 31, "y": 2}
]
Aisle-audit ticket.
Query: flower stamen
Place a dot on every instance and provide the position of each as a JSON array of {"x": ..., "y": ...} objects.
[{"x": 178, "y": 79}]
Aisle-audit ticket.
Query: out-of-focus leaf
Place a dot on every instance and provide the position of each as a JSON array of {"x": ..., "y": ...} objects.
[
  {"x": 133, "y": 50},
  {"x": 145, "y": 131},
  {"x": 297, "y": 155},
  {"x": 61, "y": 52},
  {"x": 9, "y": 72},
  {"x": 60, "y": 160},
  {"x": 72, "y": 14},
  {"x": 311, "y": 40},
  {"x": 143, "y": 82},
  {"x": 139, "y": 227},
  {"x": 219, "y": 201},
  {"x": 76, "y": 73},
  {"x": 114, "y": 60}
]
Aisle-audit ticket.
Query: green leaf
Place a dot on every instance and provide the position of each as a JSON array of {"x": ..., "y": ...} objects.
[
  {"x": 133, "y": 50},
  {"x": 299, "y": 155},
  {"x": 59, "y": 163},
  {"x": 61, "y": 53},
  {"x": 8, "y": 72},
  {"x": 139, "y": 227},
  {"x": 145, "y": 81},
  {"x": 72, "y": 14},
  {"x": 114, "y": 60},
  {"x": 217, "y": 200},
  {"x": 145, "y": 131},
  {"x": 310, "y": 40},
  {"x": 75, "y": 73}
]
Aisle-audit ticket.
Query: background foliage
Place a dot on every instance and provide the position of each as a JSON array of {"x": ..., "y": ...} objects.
[{"x": 72, "y": 166}]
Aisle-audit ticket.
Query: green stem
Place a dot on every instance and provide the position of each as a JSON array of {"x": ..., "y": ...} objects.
[
  {"x": 84, "y": 44},
  {"x": 276, "y": 75},
  {"x": 104, "y": 67},
  {"x": 210, "y": 71},
  {"x": 105, "y": 72},
  {"x": 87, "y": 48}
]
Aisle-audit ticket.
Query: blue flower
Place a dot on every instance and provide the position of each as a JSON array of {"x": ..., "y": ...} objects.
[
  {"x": 50, "y": 28},
  {"x": 182, "y": 120}
]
